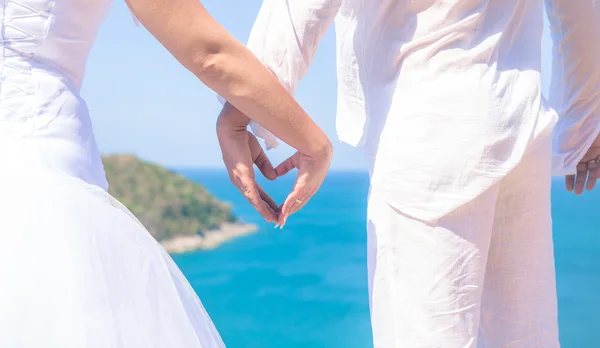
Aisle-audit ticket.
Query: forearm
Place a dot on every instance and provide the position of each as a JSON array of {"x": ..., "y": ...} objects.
[
  {"x": 205, "y": 48},
  {"x": 257, "y": 93}
]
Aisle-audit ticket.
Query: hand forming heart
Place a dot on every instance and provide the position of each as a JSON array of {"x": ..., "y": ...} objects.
[{"x": 240, "y": 150}]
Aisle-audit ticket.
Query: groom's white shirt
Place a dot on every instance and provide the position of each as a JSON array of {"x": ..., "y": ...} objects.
[{"x": 444, "y": 95}]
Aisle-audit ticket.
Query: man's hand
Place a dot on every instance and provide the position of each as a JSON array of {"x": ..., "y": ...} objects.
[
  {"x": 588, "y": 169},
  {"x": 240, "y": 150}
]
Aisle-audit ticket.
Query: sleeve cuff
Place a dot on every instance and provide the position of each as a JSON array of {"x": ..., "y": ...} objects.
[{"x": 569, "y": 149}]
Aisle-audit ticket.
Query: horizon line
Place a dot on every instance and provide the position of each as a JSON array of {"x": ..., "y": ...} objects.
[{"x": 220, "y": 168}]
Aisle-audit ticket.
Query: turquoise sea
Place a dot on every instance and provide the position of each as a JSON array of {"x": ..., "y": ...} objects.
[{"x": 305, "y": 285}]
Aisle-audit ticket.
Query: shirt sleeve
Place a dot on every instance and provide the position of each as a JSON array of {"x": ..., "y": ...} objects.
[
  {"x": 575, "y": 85},
  {"x": 285, "y": 38}
]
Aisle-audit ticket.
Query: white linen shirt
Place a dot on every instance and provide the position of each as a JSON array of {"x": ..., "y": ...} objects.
[{"x": 444, "y": 95}]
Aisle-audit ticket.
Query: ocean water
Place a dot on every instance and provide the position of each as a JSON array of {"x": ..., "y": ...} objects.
[{"x": 306, "y": 285}]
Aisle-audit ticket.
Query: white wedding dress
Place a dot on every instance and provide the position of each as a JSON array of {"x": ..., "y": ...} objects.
[{"x": 77, "y": 270}]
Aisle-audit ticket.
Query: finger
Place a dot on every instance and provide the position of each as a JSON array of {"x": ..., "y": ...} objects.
[
  {"x": 286, "y": 208},
  {"x": 284, "y": 167},
  {"x": 292, "y": 206},
  {"x": 267, "y": 199},
  {"x": 301, "y": 202},
  {"x": 249, "y": 189},
  {"x": 570, "y": 182},
  {"x": 260, "y": 159},
  {"x": 302, "y": 194},
  {"x": 580, "y": 178},
  {"x": 592, "y": 174},
  {"x": 295, "y": 201}
]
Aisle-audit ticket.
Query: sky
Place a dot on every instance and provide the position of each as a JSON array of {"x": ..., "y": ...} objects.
[{"x": 143, "y": 102}]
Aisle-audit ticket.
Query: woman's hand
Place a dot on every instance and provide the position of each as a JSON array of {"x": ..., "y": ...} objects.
[
  {"x": 588, "y": 170},
  {"x": 312, "y": 170}
]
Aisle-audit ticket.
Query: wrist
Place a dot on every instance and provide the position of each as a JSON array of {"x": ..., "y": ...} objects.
[
  {"x": 321, "y": 149},
  {"x": 232, "y": 118}
]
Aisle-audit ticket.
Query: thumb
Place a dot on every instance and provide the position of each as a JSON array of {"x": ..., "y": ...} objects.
[
  {"x": 260, "y": 159},
  {"x": 284, "y": 167}
]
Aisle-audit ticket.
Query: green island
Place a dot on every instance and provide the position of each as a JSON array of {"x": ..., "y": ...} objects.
[{"x": 182, "y": 215}]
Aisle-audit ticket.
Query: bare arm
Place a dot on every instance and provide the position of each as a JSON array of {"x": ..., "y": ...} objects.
[
  {"x": 205, "y": 48},
  {"x": 575, "y": 87}
]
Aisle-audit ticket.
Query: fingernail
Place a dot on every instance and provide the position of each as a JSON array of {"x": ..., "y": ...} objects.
[{"x": 276, "y": 225}]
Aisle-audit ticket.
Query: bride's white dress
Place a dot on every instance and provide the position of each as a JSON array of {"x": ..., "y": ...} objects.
[{"x": 77, "y": 270}]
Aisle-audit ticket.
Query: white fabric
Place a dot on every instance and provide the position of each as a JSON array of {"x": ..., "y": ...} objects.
[
  {"x": 59, "y": 33},
  {"x": 77, "y": 269},
  {"x": 482, "y": 276},
  {"x": 446, "y": 96},
  {"x": 575, "y": 88}
]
